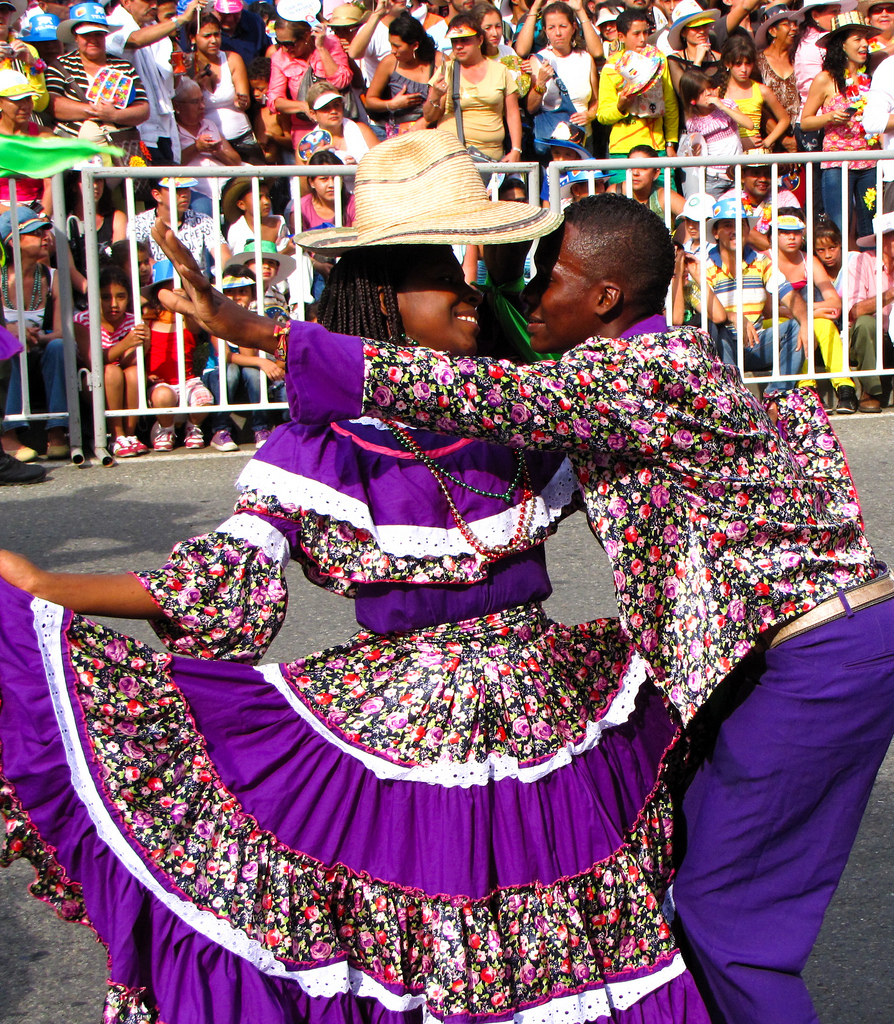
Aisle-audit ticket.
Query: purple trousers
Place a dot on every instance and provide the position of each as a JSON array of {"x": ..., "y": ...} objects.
[{"x": 773, "y": 812}]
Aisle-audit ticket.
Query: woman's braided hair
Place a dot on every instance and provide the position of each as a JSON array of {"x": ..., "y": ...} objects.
[{"x": 351, "y": 303}]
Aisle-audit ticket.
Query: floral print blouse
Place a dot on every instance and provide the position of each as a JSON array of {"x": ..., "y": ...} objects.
[{"x": 716, "y": 527}]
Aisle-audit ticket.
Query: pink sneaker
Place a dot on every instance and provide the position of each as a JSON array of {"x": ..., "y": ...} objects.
[
  {"x": 194, "y": 437},
  {"x": 162, "y": 438},
  {"x": 123, "y": 448}
]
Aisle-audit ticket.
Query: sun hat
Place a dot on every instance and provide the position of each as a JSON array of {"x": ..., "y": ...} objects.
[
  {"x": 178, "y": 182},
  {"x": 730, "y": 208},
  {"x": 86, "y": 17},
  {"x": 17, "y": 5},
  {"x": 162, "y": 277},
  {"x": 688, "y": 14},
  {"x": 234, "y": 190},
  {"x": 227, "y": 6},
  {"x": 14, "y": 85},
  {"x": 307, "y": 11},
  {"x": 789, "y": 222},
  {"x": 607, "y": 16},
  {"x": 570, "y": 178},
  {"x": 285, "y": 265},
  {"x": 699, "y": 206},
  {"x": 462, "y": 32},
  {"x": 639, "y": 70},
  {"x": 775, "y": 14},
  {"x": 41, "y": 28},
  {"x": 883, "y": 225},
  {"x": 567, "y": 136},
  {"x": 346, "y": 15},
  {"x": 865, "y": 6},
  {"x": 844, "y": 24},
  {"x": 27, "y": 220},
  {"x": 237, "y": 280},
  {"x": 845, "y": 5},
  {"x": 423, "y": 188},
  {"x": 325, "y": 98}
]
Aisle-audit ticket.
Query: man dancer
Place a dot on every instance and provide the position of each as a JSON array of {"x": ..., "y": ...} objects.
[{"x": 732, "y": 553}]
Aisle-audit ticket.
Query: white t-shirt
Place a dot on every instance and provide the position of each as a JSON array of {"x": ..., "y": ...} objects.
[
  {"x": 379, "y": 48},
  {"x": 153, "y": 65}
]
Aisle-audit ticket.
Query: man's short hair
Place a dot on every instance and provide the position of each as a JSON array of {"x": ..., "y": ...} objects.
[
  {"x": 628, "y": 17},
  {"x": 620, "y": 239}
]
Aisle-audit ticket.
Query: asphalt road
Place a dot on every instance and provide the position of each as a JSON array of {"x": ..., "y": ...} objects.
[{"x": 129, "y": 517}]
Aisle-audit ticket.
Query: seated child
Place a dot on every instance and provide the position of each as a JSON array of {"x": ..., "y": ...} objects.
[
  {"x": 121, "y": 338},
  {"x": 244, "y": 367},
  {"x": 238, "y": 211},
  {"x": 164, "y": 376},
  {"x": 275, "y": 269}
]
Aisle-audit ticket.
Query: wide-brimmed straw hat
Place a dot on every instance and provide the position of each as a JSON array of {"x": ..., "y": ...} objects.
[
  {"x": 882, "y": 225},
  {"x": 422, "y": 188},
  {"x": 843, "y": 25},
  {"x": 775, "y": 14},
  {"x": 285, "y": 265},
  {"x": 234, "y": 190}
]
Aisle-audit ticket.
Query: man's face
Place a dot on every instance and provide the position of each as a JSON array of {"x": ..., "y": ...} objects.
[
  {"x": 228, "y": 22},
  {"x": 555, "y": 299},
  {"x": 756, "y": 180},
  {"x": 724, "y": 232},
  {"x": 636, "y": 37},
  {"x": 143, "y": 12},
  {"x": 461, "y": 6}
]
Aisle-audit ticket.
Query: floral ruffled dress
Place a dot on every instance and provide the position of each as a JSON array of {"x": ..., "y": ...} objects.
[{"x": 461, "y": 812}]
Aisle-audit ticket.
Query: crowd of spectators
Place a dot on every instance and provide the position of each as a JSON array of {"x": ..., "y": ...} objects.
[{"x": 223, "y": 84}]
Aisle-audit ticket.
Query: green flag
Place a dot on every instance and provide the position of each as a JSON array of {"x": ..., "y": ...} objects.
[{"x": 39, "y": 156}]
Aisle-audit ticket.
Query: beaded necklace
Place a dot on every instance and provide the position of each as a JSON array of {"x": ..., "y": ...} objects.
[
  {"x": 526, "y": 514},
  {"x": 36, "y": 289}
]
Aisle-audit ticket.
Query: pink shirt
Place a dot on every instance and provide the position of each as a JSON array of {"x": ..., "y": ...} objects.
[
  {"x": 808, "y": 62},
  {"x": 286, "y": 73},
  {"x": 861, "y": 278}
]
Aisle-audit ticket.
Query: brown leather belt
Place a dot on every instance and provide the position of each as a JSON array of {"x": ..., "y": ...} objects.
[{"x": 875, "y": 592}]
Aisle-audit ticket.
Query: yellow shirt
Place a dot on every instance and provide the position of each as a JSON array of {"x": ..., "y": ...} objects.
[
  {"x": 631, "y": 129},
  {"x": 482, "y": 104}
]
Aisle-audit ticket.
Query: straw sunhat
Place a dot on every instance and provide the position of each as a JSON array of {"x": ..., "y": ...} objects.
[
  {"x": 422, "y": 188},
  {"x": 843, "y": 25},
  {"x": 773, "y": 15},
  {"x": 689, "y": 14}
]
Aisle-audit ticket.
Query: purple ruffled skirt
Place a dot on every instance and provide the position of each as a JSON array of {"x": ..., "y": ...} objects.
[{"x": 469, "y": 823}]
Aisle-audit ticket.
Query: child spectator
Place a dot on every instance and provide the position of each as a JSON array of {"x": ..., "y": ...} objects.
[
  {"x": 238, "y": 211},
  {"x": 737, "y": 60},
  {"x": 318, "y": 211},
  {"x": 636, "y": 96},
  {"x": 717, "y": 121},
  {"x": 244, "y": 367},
  {"x": 645, "y": 187},
  {"x": 792, "y": 263},
  {"x": 119, "y": 256},
  {"x": 270, "y": 127},
  {"x": 694, "y": 218},
  {"x": 275, "y": 270},
  {"x": 121, "y": 338},
  {"x": 164, "y": 375}
]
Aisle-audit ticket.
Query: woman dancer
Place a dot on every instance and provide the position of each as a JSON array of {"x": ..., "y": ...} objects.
[{"x": 476, "y": 821}]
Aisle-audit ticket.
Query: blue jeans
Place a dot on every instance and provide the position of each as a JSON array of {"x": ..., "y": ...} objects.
[
  {"x": 759, "y": 359},
  {"x": 248, "y": 377},
  {"x": 52, "y": 368},
  {"x": 857, "y": 184}
]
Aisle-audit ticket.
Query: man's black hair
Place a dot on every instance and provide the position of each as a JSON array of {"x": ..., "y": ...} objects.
[
  {"x": 628, "y": 17},
  {"x": 619, "y": 239}
]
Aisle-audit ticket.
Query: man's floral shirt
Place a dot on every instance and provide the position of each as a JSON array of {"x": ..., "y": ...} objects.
[{"x": 716, "y": 526}]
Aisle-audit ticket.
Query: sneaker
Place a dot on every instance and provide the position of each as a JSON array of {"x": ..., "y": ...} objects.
[
  {"x": 223, "y": 442},
  {"x": 14, "y": 472},
  {"x": 261, "y": 438},
  {"x": 138, "y": 446},
  {"x": 194, "y": 437},
  {"x": 122, "y": 448},
  {"x": 162, "y": 438},
  {"x": 847, "y": 400}
]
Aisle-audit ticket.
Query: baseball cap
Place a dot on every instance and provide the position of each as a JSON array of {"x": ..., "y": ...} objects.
[
  {"x": 27, "y": 220},
  {"x": 14, "y": 85}
]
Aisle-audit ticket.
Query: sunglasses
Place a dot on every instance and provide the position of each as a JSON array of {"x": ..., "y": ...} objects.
[
  {"x": 288, "y": 44},
  {"x": 881, "y": 9}
]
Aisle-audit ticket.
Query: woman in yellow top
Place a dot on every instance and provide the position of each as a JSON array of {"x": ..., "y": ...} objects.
[
  {"x": 21, "y": 56},
  {"x": 487, "y": 93},
  {"x": 737, "y": 60}
]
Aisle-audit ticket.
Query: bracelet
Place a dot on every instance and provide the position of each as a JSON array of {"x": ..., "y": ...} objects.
[{"x": 281, "y": 333}]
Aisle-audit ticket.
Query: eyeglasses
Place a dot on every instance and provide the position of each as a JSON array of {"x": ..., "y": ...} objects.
[{"x": 287, "y": 44}]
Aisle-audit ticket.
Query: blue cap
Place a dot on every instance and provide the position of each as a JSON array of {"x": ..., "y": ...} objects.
[
  {"x": 27, "y": 220},
  {"x": 41, "y": 28},
  {"x": 730, "y": 207}
]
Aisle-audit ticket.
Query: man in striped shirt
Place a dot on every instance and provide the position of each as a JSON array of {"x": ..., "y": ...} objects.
[{"x": 759, "y": 281}]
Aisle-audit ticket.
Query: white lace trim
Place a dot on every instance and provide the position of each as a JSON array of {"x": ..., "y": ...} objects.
[
  {"x": 259, "y": 533},
  {"x": 496, "y": 766},
  {"x": 406, "y": 540},
  {"x": 328, "y": 980}
]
